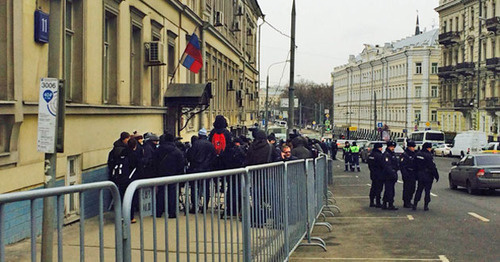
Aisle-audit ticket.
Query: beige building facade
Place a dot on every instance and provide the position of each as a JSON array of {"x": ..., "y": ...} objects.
[
  {"x": 112, "y": 83},
  {"x": 470, "y": 86},
  {"x": 395, "y": 84}
]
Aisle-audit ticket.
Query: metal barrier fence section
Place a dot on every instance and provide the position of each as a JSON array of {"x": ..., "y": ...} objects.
[
  {"x": 59, "y": 193},
  {"x": 257, "y": 213}
]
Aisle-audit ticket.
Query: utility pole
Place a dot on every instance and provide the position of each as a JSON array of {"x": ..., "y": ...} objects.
[
  {"x": 300, "y": 115},
  {"x": 476, "y": 124},
  {"x": 266, "y": 116},
  {"x": 292, "y": 74},
  {"x": 54, "y": 62}
]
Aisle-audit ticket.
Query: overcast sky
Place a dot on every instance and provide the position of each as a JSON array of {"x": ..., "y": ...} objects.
[{"x": 328, "y": 31}]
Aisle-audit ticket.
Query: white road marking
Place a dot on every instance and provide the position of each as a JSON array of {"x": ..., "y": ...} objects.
[
  {"x": 434, "y": 195},
  {"x": 361, "y": 259},
  {"x": 410, "y": 217},
  {"x": 399, "y": 181},
  {"x": 348, "y": 197},
  {"x": 354, "y": 185},
  {"x": 369, "y": 217},
  {"x": 443, "y": 258},
  {"x": 368, "y": 184},
  {"x": 479, "y": 217},
  {"x": 334, "y": 176}
]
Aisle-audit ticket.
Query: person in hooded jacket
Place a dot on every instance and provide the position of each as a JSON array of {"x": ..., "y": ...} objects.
[
  {"x": 201, "y": 157},
  {"x": 220, "y": 137},
  {"x": 272, "y": 141},
  {"x": 118, "y": 147},
  {"x": 299, "y": 149},
  {"x": 168, "y": 161},
  {"x": 151, "y": 142},
  {"x": 237, "y": 155},
  {"x": 260, "y": 152},
  {"x": 131, "y": 170},
  {"x": 426, "y": 174}
]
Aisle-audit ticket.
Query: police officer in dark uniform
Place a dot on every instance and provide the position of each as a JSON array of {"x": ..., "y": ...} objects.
[
  {"x": 376, "y": 166},
  {"x": 426, "y": 174},
  {"x": 409, "y": 173},
  {"x": 391, "y": 163},
  {"x": 347, "y": 155}
]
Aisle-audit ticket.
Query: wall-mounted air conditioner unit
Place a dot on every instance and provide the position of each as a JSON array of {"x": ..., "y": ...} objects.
[{"x": 154, "y": 53}]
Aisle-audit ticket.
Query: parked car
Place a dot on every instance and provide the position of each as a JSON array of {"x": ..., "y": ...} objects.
[
  {"x": 476, "y": 172},
  {"x": 493, "y": 147},
  {"x": 367, "y": 148},
  {"x": 442, "y": 150},
  {"x": 341, "y": 143}
]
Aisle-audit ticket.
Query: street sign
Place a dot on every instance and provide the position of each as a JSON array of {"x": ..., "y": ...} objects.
[
  {"x": 284, "y": 103},
  {"x": 327, "y": 111},
  {"x": 47, "y": 115},
  {"x": 353, "y": 128},
  {"x": 427, "y": 124},
  {"x": 327, "y": 115},
  {"x": 405, "y": 130},
  {"x": 314, "y": 122},
  {"x": 327, "y": 122},
  {"x": 379, "y": 124}
]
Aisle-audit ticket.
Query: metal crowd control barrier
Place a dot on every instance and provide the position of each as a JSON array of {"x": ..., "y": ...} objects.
[{"x": 59, "y": 193}]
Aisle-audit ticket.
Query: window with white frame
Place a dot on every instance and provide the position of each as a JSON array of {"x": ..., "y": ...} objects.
[
  {"x": 434, "y": 116},
  {"x": 418, "y": 68},
  {"x": 434, "y": 91},
  {"x": 418, "y": 91},
  {"x": 434, "y": 68}
]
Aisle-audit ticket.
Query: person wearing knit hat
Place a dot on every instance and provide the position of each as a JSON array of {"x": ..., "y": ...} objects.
[
  {"x": 202, "y": 132},
  {"x": 426, "y": 174}
]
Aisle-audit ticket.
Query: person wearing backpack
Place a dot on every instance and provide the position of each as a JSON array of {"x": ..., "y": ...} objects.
[
  {"x": 220, "y": 137},
  {"x": 115, "y": 153},
  {"x": 126, "y": 169},
  {"x": 168, "y": 160}
]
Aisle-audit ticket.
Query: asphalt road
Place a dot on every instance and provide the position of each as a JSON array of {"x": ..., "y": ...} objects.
[{"x": 458, "y": 227}]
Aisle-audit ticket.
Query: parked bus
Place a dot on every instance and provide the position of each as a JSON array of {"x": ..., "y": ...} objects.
[{"x": 431, "y": 136}]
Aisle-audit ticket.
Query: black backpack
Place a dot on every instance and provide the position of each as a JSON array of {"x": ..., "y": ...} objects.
[{"x": 121, "y": 172}]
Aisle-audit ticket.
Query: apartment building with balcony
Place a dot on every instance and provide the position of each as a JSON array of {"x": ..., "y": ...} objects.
[
  {"x": 395, "y": 84},
  {"x": 117, "y": 59},
  {"x": 469, "y": 83}
]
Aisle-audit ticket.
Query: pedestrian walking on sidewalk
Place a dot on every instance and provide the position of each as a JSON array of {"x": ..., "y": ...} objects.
[
  {"x": 426, "y": 174},
  {"x": 409, "y": 173},
  {"x": 376, "y": 165},
  {"x": 390, "y": 176}
]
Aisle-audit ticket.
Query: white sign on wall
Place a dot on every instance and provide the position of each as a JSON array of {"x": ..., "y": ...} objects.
[{"x": 47, "y": 115}]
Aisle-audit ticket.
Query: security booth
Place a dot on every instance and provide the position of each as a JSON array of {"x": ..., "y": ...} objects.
[{"x": 185, "y": 100}]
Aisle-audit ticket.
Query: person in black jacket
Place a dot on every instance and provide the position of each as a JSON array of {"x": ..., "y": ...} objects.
[
  {"x": 220, "y": 137},
  {"x": 260, "y": 152},
  {"x": 409, "y": 173},
  {"x": 334, "y": 147},
  {"x": 391, "y": 163},
  {"x": 168, "y": 161},
  {"x": 151, "y": 142},
  {"x": 201, "y": 157},
  {"x": 376, "y": 166},
  {"x": 299, "y": 149},
  {"x": 426, "y": 174},
  {"x": 115, "y": 153},
  {"x": 237, "y": 155}
]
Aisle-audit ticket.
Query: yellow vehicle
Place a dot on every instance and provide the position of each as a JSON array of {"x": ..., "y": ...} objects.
[{"x": 493, "y": 147}]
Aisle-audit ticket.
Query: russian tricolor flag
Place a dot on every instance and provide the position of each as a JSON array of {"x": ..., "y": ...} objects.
[{"x": 191, "y": 58}]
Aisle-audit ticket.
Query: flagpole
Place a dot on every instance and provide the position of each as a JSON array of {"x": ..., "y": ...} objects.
[{"x": 180, "y": 59}]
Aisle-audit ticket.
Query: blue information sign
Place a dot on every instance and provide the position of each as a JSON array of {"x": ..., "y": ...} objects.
[
  {"x": 41, "y": 27},
  {"x": 379, "y": 124}
]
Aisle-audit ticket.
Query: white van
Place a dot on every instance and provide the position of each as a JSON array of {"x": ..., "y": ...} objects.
[
  {"x": 469, "y": 141},
  {"x": 430, "y": 136}
]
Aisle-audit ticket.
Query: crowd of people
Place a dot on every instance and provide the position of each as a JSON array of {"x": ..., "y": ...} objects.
[
  {"x": 415, "y": 166},
  {"x": 135, "y": 156}
]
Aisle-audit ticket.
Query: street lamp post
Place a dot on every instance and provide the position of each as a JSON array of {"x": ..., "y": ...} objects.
[{"x": 266, "y": 117}]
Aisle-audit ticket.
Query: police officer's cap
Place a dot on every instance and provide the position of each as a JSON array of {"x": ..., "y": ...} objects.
[
  {"x": 391, "y": 143},
  {"x": 411, "y": 143},
  {"x": 377, "y": 145},
  {"x": 354, "y": 143},
  {"x": 426, "y": 145}
]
